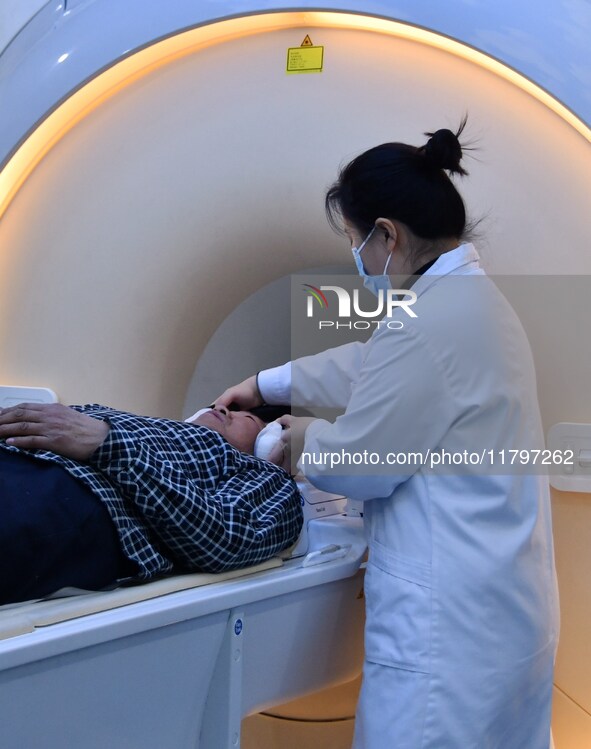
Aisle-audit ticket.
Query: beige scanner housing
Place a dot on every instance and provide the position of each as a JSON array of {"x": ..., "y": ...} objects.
[{"x": 149, "y": 242}]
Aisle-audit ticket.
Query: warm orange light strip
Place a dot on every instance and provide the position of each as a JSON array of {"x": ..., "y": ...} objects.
[{"x": 81, "y": 103}]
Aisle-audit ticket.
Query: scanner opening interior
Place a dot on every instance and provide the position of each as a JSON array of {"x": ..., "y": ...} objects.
[{"x": 203, "y": 181}]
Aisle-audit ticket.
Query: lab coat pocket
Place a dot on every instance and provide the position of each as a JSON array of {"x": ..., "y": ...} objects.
[{"x": 398, "y": 604}]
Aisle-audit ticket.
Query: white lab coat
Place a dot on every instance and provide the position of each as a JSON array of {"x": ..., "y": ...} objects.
[{"x": 461, "y": 596}]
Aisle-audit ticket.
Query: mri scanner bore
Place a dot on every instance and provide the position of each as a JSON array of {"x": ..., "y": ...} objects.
[
  {"x": 462, "y": 607},
  {"x": 92, "y": 496}
]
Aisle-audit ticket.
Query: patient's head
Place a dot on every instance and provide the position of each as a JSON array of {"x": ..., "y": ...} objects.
[{"x": 239, "y": 428}]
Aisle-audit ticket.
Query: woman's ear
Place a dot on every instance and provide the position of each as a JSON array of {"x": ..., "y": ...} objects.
[{"x": 389, "y": 231}]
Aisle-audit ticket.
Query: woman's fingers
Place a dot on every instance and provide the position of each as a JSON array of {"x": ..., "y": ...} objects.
[
  {"x": 294, "y": 432},
  {"x": 279, "y": 455},
  {"x": 245, "y": 394}
]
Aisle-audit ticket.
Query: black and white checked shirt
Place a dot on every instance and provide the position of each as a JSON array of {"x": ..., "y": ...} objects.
[{"x": 182, "y": 497}]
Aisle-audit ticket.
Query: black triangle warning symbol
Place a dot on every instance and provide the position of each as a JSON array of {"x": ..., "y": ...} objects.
[{"x": 307, "y": 42}]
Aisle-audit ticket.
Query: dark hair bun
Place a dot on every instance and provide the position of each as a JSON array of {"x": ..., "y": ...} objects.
[{"x": 443, "y": 150}]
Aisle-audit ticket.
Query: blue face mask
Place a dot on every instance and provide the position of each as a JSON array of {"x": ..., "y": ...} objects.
[{"x": 371, "y": 283}]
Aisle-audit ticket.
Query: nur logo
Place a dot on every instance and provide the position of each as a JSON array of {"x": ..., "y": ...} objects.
[
  {"x": 388, "y": 301},
  {"x": 314, "y": 294},
  {"x": 348, "y": 305}
]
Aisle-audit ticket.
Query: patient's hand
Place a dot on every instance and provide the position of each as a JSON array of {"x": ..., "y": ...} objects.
[{"x": 54, "y": 427}]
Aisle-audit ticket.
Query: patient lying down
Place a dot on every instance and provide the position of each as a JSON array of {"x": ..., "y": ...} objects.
[{"x": 90, "y": 496}]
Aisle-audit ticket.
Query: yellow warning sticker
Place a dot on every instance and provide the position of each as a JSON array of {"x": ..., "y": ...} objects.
[{"x": 306, "y": 58}]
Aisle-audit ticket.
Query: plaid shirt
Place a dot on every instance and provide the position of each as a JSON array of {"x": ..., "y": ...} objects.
[{"x": 182, "y": 497}]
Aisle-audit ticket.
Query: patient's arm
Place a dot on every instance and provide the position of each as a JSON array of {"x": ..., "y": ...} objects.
[{"x": 53, "y": 427}]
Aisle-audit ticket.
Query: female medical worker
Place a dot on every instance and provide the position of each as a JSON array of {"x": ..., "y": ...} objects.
[{"x": 461, "y": 598}]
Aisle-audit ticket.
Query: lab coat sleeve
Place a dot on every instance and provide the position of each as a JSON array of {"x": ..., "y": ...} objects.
[
  {"x": 401, "y": 405},
  {"x": 324, "y": 379}
]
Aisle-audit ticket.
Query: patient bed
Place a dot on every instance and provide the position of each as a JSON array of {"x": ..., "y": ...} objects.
[{"x": 180, "y": 661}]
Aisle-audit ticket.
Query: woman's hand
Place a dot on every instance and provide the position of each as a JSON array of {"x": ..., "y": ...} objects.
[
  {"x": 246, "y": 395},
  {"x": 287, "y": 453},
  {"x": 53, "y": 427}
]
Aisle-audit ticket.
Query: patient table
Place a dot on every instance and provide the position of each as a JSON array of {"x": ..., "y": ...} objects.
[{"x": 177, "y": 663}]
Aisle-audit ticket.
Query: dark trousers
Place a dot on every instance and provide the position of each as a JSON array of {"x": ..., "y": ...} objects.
[{"x": 54, "y": 532}]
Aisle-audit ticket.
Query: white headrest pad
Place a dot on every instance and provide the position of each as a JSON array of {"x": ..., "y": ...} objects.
[
  {"x": 267, "y": 439},
  {"x": 198, "y": 413}
]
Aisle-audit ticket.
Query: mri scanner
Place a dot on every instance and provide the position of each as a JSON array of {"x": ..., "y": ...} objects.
[{"x": 162, "y": 175}]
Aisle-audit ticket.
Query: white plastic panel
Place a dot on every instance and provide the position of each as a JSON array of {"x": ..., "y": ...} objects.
[
  {"x": 572, "y": 444},
  {"x": 144, "y": 691},
  {"x": 13, "y": 395}
]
